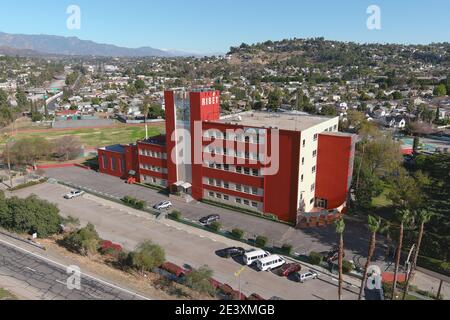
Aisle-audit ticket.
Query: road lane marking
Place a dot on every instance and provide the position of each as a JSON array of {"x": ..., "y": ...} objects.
[
  {"x": 65, "y": 268},
  {"x": 32, "y": 270}
]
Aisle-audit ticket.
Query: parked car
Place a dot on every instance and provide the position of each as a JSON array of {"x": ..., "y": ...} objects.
[
  {"x": 206, "y": 221},
  {"x": 255, "y": 296},
  {"x": 233, "y": 252},
  {"x": 270, "y": 263},
  {"x": 333, "y": 256},
  {"x": 163, "y": 205},
  {"x": 303, "y": 277},
  {"x": 74, "y": 194},
  {"x": 289, "y": 268},
  {"x": 252, "y": 256}
]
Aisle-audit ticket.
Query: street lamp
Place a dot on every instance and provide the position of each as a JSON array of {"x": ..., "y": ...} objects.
[{"x": 238, "y": 275}]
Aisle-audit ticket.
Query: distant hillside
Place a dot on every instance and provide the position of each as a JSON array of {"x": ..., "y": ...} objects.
[{"x": 73, "y": 46}]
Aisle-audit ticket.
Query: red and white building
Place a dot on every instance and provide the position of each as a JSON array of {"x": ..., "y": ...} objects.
[{"x": 287, "y": 165}]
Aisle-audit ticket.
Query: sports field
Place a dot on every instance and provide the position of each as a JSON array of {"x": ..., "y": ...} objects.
[{"x": 94, "y": 137}]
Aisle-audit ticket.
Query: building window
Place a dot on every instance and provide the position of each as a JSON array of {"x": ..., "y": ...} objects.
[
  {"x": 226, "y": 167},
  {"x": 113, "y": 164},
  {"x": 303, "y": 161},
  {"x": 255, "y": 172},
  {"x": 312, "y": 201},
  {"x": 218, "y": 196},
  {"x": 254, "y": 191},
  {"x": 239, "y": 169},
  {"x": 314, "y": 169},
  {"x": 302, "y": 178},
  {"x": 211, "y": 181},
  {"x": 238, "y": 187},
  {"x": 238, "y": 200},
  {"x": 316, "y": 136},
  {"x": 105, "y": 162},
  {"x": 226, "y": 185},
  {"x": 218, "y": 183},
  {"x": 211, "y": 165},
  {"x": 335, "y": 127},
  {"x": 247, "y": 189},
  {"x": 304, "y": 143},
  {"x": 225, "y": 197},
  {"x": 314, "y": 153},
  {"x": 313, "y": 187},
  {"x": 246, "y": 202},
  {"x": 247, "y": 171},
  {"x": 211, "y": 194}
]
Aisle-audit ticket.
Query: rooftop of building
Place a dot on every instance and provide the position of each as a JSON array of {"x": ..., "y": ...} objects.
[
  {"x": 115, "y": 148},
  {"x": 158, "y": 140},
  {"x": 282, "y": 121}
]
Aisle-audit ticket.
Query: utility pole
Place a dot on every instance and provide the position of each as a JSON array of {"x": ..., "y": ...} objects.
[{"x": 9, "y": 164}]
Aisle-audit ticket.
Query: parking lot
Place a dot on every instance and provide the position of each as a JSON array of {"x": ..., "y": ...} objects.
[
  {"x": 303, "y": 241},
  {"x": 184, "y": 245}
]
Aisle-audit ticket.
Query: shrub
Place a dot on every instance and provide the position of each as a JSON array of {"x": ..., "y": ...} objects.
[
  {"x": 315, "y": 258},
  {"x": 287, "y": 248},
  {"x": 175, "y": 215},
  {"x": 133, "y": 202},
  {"x": 237, "y": 233},
  {"x": 199, "y": 280},
  {"x": 84, "y": 241},
  {"x": 109, "y": 248},
  {"x": 30, "y": 215},
  {"x": 147, "y": 256},
  {"x": 215, "y": 226},
  {"x": 347, "y": 266},
  {"x": 261, "y": 241}
]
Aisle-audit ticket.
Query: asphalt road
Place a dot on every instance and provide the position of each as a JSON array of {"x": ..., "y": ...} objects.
[
  {"x": 48, "y": 279},
  {"x": 303, "y": 241},
  {"x": 183, "y": 245}
]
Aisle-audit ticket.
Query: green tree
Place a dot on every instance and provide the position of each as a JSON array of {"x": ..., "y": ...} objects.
[
  {"x": 140, "y": 85},
  {"x": 422, "y": 217},
  {"x": 199, "y": 280},
  {"x": 340, "y": 228},
  {"x": 147, "y": 256},
  {"x": 84, "y": 241},
  {"x": 275, "y": 99},
  {"x": 405, "y": 191},
  {"x": 22, "y": 100},
  {"x": 3, "y": 98},
  {"x": 440, "y": 90},
  {"x": 374, "y": 226},
  {"x": 402, "y": 217},
  {"x": 29, "y": 215}
]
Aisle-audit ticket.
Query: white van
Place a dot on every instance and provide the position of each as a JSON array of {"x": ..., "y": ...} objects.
[
  {"x": 269, "y": 263},
  {"x": 254, "y": 255}
]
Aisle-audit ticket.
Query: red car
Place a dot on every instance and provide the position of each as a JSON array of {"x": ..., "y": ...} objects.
[{"x": 289, "y": 268}]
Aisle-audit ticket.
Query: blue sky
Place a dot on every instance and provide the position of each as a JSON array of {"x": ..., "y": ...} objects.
[{"x": 213, "y": 26}]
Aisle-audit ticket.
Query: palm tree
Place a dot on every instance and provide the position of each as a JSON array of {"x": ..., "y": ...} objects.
[
  {"x": 340, "y": 227},
  {"x": 374, "y": 226},
  {"x": 403, "y": 217},
  {"x": 423, "y": 217}
]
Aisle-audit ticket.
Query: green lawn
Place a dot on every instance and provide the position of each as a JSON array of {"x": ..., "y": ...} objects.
[
  {"x": 6, "y": 295},
  {"x": 382, "y": 200},
  {"x": 98, "y": 137}
]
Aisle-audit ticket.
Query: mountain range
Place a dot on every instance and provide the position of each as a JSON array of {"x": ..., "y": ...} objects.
[{"x": 27, "y": 45}]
